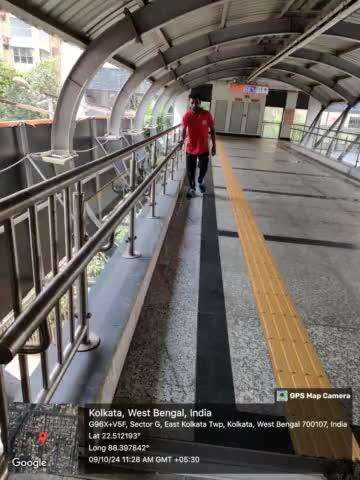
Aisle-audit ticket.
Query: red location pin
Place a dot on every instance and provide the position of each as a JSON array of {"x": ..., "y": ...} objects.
[{"x": 42, "y": 438}]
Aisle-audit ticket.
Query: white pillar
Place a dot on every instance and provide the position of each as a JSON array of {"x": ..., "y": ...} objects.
[
  {"x": 314, "y": 108},
  {"x": 288, "y": 116}
]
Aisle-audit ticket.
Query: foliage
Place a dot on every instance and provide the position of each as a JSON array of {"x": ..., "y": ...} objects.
[
  {"x": 7, "y": 73},
  {"x": 43, "y": 78},
  {"x": 39, "y": 87},
  {"x": 148, "y": 114}
]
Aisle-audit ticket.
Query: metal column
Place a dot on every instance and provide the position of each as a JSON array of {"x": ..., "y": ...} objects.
[
  {"x": 90, "y": 340},
  {"x": 131, "y": 253}
]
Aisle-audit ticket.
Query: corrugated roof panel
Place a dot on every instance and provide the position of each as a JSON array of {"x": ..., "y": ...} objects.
[
  {"x": 138, "y": 53},
  {"x": 352, "y": 84},
  {"x": 326, "y": 71},
  {"x": 326, "y": 92},
  {"x": 200, "y": 21},
  {"x": 109, "y": 20},
  {"x": 330, "y": 43},
  {"x": 352, "y": 56},
  {"x": 354, "y": 18},
  {"x": 298, "y": 78},
  {"x": 93, "y": 16},
  {"x": 254, "y": 11}
]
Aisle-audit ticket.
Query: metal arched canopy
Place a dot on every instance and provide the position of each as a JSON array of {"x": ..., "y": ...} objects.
[
  {"x": 159, "y": 84},
  {"x": 231, "y": 72},
  {"x": 102, "y": 49},
  {"x": 290, "y": 68},
  {"x": 173, "y": 97},
  {"x": 162, "y": 100},
  {"x": 216, "y": 39},
  {"x": 326, "y": 59},
  {"x": 157, "y": 14},
  {"x": 141, "y": 110}
]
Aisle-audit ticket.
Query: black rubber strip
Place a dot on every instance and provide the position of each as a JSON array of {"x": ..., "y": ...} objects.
[
  {"x": 311, "y": 241},
  {"x": 297, "y": 240},
  {"x": 227, "y": 233},
  {"x": 277, "y": 171},
  {"x": 214, "y": 380},
  {"x": 305, "y": 195}
]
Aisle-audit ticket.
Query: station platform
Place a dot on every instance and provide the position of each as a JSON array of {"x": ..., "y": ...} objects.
[{"x": 256, "y": 286}]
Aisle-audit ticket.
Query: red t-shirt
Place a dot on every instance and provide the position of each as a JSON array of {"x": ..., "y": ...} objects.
[{"x": 197, "y": 125}]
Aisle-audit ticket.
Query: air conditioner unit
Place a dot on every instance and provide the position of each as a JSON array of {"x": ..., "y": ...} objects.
[{"x": 5, "y": 41}]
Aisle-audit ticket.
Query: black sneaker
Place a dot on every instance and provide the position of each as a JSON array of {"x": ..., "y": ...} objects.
[
  {"x": 191, "y": 193},
  {"x": 202, "y": 187}
]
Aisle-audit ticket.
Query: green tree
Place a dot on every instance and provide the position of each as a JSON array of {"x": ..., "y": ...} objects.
[
  {"x": 28, "y": 95},
  {"x": 7, "y": 74}
]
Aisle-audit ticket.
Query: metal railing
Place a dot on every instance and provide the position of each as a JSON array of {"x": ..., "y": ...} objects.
[
  {"x": 342, "y": 146},
  {"x": 270, "y": 129},
  {"x": 67, "y": 281}
]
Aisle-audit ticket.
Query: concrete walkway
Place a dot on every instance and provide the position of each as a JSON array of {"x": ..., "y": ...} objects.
[{"x": 200, "y": 336}]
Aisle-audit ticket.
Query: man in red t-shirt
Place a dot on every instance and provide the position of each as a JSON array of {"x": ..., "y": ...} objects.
[{"x": 196, "y": 125}]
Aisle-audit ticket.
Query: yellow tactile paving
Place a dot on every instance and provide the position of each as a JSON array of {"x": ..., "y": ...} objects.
[{"x": 295, "y": 361}]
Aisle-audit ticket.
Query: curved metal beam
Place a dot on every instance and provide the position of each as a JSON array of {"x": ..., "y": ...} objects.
[
  {"x": 144, "y": 20},
  {"x": 122, "y": 99},
  {"x": 304, "y": 72},
  {"x": 163, "y": 59},
  {"x": 140, "y": 112},
  {"x": 326, "y": 59},
  {"x": 204, "y": 43},
  {"x": 172, "y": 98},
  {"x": 228, "y": 73},
  {"x": 327, "y": 18},
  {"x": 161, "y": 102}
]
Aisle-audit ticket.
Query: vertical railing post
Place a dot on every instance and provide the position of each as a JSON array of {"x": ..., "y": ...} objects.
[
  {"x": 38, "y": 273},
  {"x": 68, "y": 253},
  {"x": 165, "y": 168},
  {"x": 90, "y": 340},
  {"x": 172, "y": 166},
  {"x": 131, "y": 253},
  {"x": 53, "y": 236},
  {"x": 153, "y": 184},
  {"x": 4, "y": 416},
  {"x": 14, "y": 277},
  {"x": 23, "y": 148}
]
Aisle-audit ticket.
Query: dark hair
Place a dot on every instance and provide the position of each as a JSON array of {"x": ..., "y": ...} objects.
[{"x": 195, "y": 96}]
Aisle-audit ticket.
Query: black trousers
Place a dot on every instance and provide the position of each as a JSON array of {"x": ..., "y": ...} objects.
[{"x": 191, "y": 167}]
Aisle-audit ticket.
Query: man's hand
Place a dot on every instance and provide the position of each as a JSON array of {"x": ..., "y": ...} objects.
[{"x": 213, "y": 150}]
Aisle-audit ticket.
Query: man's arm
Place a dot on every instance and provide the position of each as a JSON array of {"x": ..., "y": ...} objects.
[
  {"x": 213, "y": 140},
  {"x": 184, "y": 125},
  {"x": 183, "y": 134}
]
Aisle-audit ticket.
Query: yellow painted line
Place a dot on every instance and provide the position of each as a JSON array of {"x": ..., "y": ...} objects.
[{"x": 294, "y": 359}]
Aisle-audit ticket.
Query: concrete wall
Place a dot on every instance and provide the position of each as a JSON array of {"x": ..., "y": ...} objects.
[
  {"x": 221, "y": 91},
  {"x": 37, "y": 140}
]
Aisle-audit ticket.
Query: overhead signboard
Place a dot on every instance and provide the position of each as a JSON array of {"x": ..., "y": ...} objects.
[{"x": 247, "y": 89}]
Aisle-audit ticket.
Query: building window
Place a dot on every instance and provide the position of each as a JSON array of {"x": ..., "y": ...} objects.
[
  {"x": 44, "y": 54},
  {"x": 19, "y": 28},
  {"x": 23, "y": 55},
  {"x": 354, "y": 121}
]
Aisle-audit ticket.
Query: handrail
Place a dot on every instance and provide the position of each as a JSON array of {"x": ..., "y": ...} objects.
[
  {"x": 339, "y": 145},
  {"x": 17, "y": 202},
  {"x": 29, "y": 320},
  {"x": 317, "y": 131}
]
